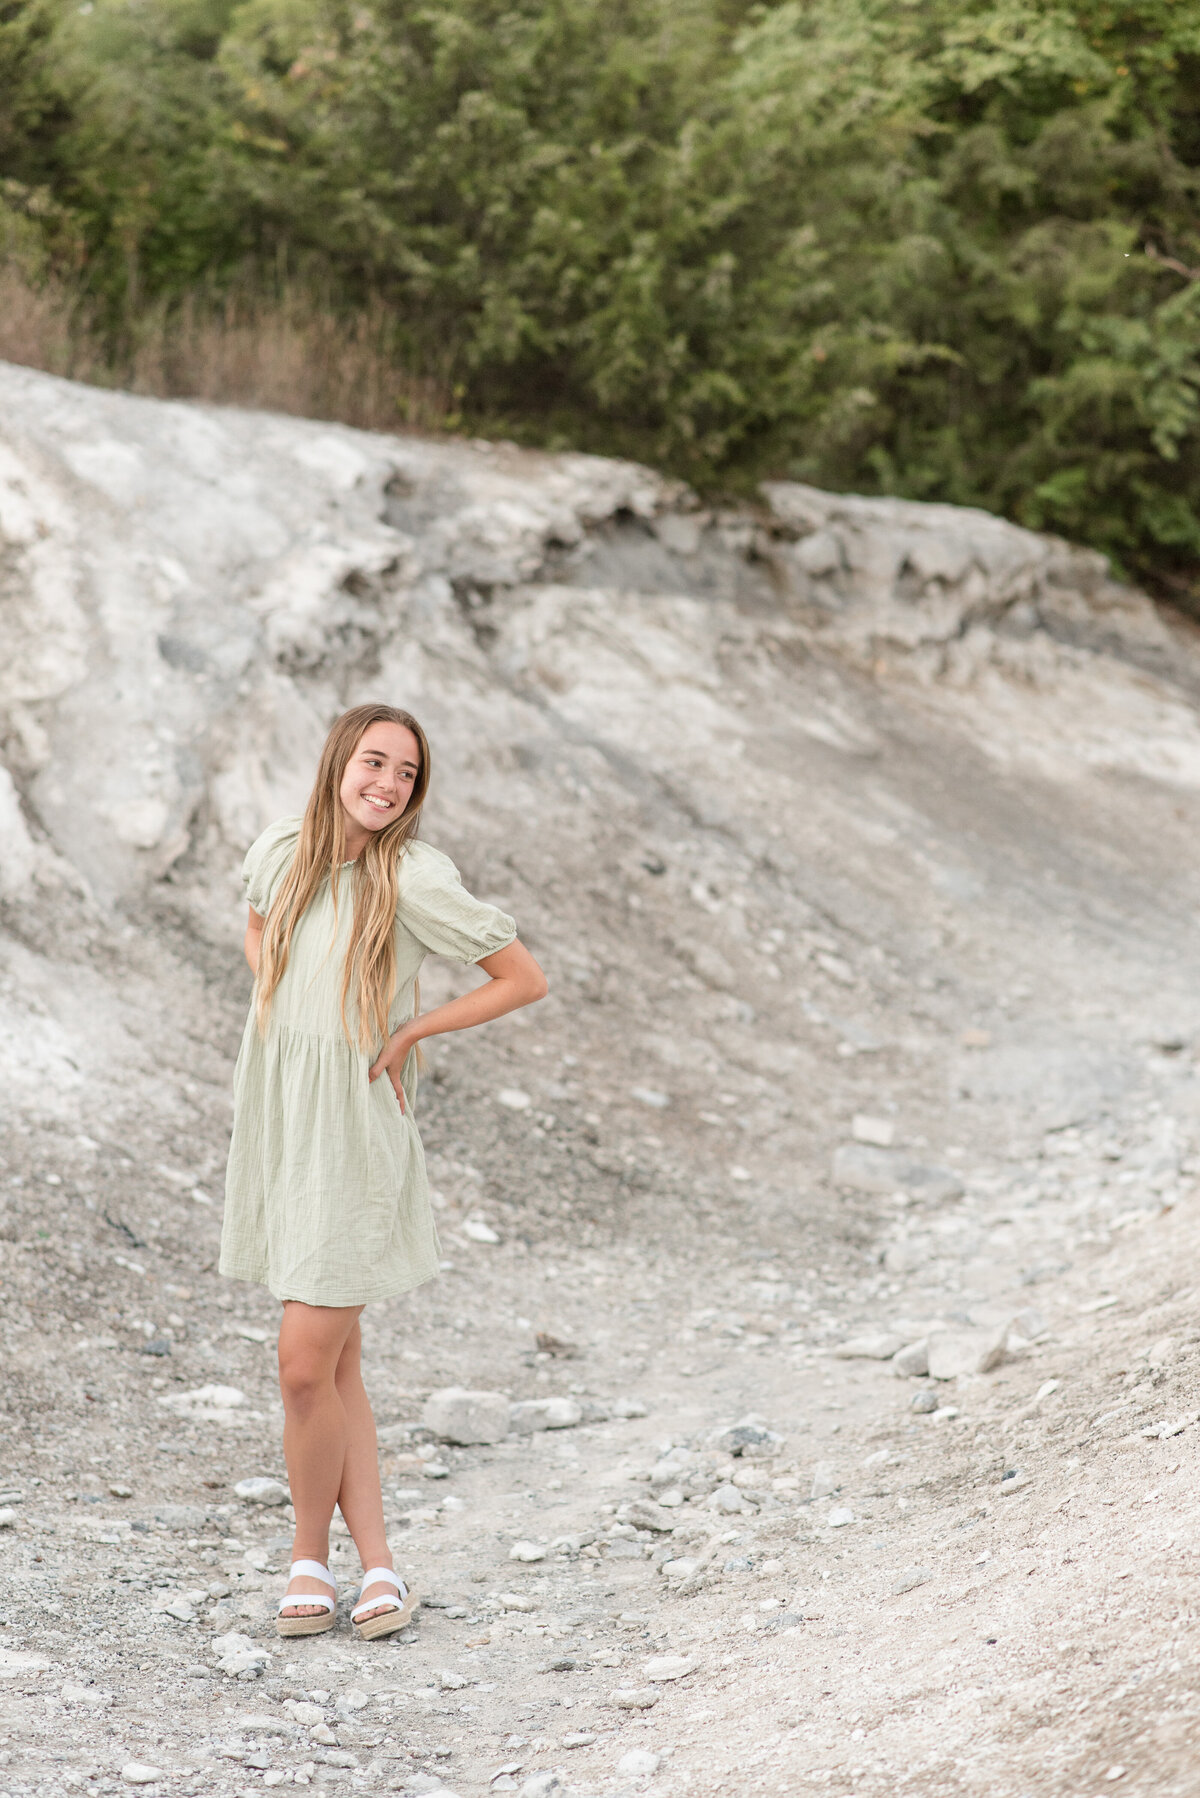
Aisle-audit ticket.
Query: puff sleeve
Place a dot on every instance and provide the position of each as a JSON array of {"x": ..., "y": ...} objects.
[
  {"x": 446, "y": 919},
  {"x": 267, "y": 861}
]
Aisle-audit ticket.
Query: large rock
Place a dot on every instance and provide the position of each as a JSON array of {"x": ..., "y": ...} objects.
[{"x": 457, "y": 1415}]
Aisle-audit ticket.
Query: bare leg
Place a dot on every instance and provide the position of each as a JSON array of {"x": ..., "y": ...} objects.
[
  {"x": 315, "y": 1428},
  {"x": 359, "y": 1495}
]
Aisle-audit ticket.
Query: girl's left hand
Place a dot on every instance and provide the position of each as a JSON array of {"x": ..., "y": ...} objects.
[{"x": 391, "y": 1059}]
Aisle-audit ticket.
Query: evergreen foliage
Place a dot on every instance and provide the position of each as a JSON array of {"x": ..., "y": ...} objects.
[{"x": 941, "y": 248}]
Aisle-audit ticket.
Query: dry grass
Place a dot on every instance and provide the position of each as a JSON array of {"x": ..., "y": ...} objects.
[{"x": 285, "y": 354}]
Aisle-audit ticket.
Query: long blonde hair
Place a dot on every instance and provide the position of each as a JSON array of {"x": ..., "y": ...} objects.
[{"x": 369, "y": 970}]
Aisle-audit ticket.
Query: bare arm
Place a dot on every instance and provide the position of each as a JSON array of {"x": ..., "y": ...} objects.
[
  {"x": 253, "y": 939},
  {"x": 514, "y": 980}
]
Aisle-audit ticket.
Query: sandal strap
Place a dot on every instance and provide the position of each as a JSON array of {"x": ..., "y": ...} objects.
[
  {"x": 311, "y": 1570},
  {"x": 379, "y": 1576},
  {"x": 375, "y": 1575}
]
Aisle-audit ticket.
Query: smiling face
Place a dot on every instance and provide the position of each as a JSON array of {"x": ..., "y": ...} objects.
[{"x": 378, "y": 782}]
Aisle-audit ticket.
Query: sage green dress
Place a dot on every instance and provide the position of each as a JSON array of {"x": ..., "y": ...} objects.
[{"x": 326, "y": 1197}]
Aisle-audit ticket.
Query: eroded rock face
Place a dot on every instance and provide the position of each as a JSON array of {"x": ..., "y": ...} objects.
[{"x": 651, "y": 722}]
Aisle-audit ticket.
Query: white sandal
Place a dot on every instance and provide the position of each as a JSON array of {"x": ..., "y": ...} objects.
[
  {"x": 308, "y": 1626},
  {"x": 385, "y": 1623}
]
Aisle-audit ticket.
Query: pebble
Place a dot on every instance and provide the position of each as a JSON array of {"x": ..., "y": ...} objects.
[
  {"x": 635, "y": 1698},
  {"x": 924, "y": 1402},
  {"x": 515, "y": 1601},
  {"x": 580, "y": 1738},
  {"x": 527, "y": 1551},
  {"x": 728, "y": 1500},
  {"x": 322, "y": 1734},
  {"x": 644, "y": 1514},
  {"x": 137, "y": 1773},
  {"x": 675, "y": 1572},
  {"x": 839, "y": 1518},
  {"x": 879, "y": 1347},
  {"x": 119, "y": 1491},
  {"x": 639, "y": 1762},
  {"x": 1013, "y": 1479},
  {"x": 629, "y": 1407},
  {"x": 513, "y": 1099},
  {"x": 7, "y": 1517},
  {"x": 533, "y": 1414},
  {"x": 880, "y": 1132},
  {"x": 825, "y": 1481},
  {"x": 455, "y": 1414},
  {"x": 910, "y": 1579},
  {"x": 912, "y": 1361},
  {"x": 749, "y": 1439},
  {"x": 262, "y": 1491},
  {"x": 956, "y": 1352},
  {"x": 450, "y": 1681},
  {"x": 476, "y": 1229},
  {"x": 663, "y": 1667},
  {"x": 649, "y": 1095},
  {"x": 95, "y": 1696},
  {"x": 204, "y": 1401},
  {"x": 181, "y": 1517},
  {"x": 864, "y": 1168},
  {"x": 301, "y": 1711},
  {"x": 541, "y": 1785}
]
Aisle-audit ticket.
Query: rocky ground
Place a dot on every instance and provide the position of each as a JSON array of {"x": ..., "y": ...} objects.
[{"x": 840, "y": 1195}]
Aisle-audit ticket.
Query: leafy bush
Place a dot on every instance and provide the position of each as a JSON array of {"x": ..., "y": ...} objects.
[{"x": 943, "y": 248}]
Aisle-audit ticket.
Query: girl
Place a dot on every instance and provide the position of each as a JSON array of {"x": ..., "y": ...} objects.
[{"x": 327, "y": 1203}]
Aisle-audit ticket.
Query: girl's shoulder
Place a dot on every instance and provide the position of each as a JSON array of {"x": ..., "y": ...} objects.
[
  {"x": 439, "y": 911},
  {"x": 267, "y": 860}
]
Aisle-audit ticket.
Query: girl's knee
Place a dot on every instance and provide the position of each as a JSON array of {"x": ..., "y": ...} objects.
[{"x": 304, "y": 1379}]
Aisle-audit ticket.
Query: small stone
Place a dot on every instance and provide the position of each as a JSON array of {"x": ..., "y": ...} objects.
[
  {"x": 825, "y": 1481},
  {"x": 301, "y": 1711},
  {"x": 450, "y": 1681},
  {"x": 749, "y": 1439},
  {"x": 7, "y": 1517},
  {"x": 881, "y": 1346},
  {"x": 580, "y": 1738},
  {"x": 1162, "y": 1352},
  {"x": 527, "y": 1551},
  {"x": 212, "y": 1402},
  {"x": 95, "y": 1697},
  {"x": 728, "y": 1500},
  {"x": 1115, "y": 1773},
  {"x": 880, "y": 1132},
  {"x": 954, "y": 1352},
  {"x": 516, "y": 1601},
  {"x": 119, "y": 1491},
  {"x": 839, "y": 1518},
  {"x": 678, "y": 1570},
  {"x": 323, "y": 1735},
  {"x": 924, "y": 1402},
  {"x": 1030, "y": 1323},
  {"x": 455, "y": 1414},
  {"x": 262, "y": 1491},
  {"x": 629, "y": 1407},
  {"x": 1013, "y": 1480},
  {"x": 904, "y": 1257},
  {"x": 863, "y": 1168},
  {"x": 157, "y": 1345},
  {"x": 649, "y": 1095},
  {"x": 475, "y": 1229},
  {"x": 975, "y": 1039},
  {"x": 541, "y": 1785},
  {"x": 644, "y": 1514},
  {"x": 910, "y": 1579},
  {"x": 912, "y": 1362},
  {"x": 137, "y": 1773},
  {"x": 665, "y": 1667},
  {"x": 635, "y": 1698},
  {"x": 181, "y": 1517},
  {"x": 531, "y": 1415},
  {"x": 513, "y": 1099},
  {"x": 639, "y": 1763}
]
